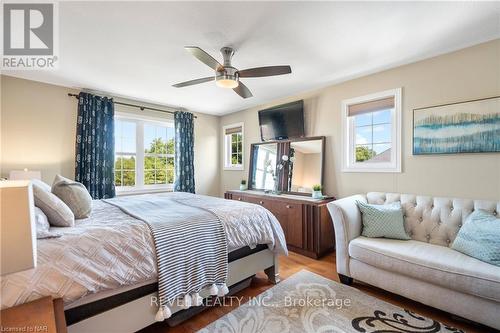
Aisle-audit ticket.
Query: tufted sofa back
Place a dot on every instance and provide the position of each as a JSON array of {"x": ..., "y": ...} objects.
[{"x": 433, "y": 220}]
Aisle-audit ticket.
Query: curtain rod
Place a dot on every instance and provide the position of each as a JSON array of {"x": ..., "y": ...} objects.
[{"x": 134, "y": 106}]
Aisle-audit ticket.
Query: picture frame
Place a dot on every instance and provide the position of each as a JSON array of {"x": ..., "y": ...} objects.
[{"x": 471, "y": 126}]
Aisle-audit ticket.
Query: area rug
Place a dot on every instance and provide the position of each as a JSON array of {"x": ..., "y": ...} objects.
[{"x": 307, "y": 302}]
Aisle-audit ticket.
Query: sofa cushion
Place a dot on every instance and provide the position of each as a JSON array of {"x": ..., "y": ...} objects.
[
  {"x": 431, "y": 263},
  {"x": 382, "y": 221},
  {"x": 480, "y": 237}
]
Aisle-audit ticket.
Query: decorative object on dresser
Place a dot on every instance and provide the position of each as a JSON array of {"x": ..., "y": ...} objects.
[
  {"x": 42, "y": 315},
  {"x": 317, "y": 194},
  {"x": 243, "y": 185},
  {"x": 305, "y": 221},
  {"x": 463, "y": 127}
]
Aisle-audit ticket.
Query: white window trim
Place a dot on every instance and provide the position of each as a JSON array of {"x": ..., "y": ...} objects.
[
  {"x": 348, "y": 140},
  {"x": 140, "y": 188},
  {"x": 227, "y": 148}
]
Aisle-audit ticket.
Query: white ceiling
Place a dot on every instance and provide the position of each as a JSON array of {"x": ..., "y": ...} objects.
[{"x": 135, "y": 49}]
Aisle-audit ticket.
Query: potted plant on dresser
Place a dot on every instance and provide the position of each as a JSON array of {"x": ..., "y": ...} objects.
[
  {"x": 317, "y": 194},
  {"x": 243, "y": 185}
]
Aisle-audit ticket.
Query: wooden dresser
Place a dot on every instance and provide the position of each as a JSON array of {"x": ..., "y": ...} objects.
[{"x": 306, "y": 222}]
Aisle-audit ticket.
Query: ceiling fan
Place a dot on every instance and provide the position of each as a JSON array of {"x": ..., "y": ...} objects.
[{"x": 226, "y": 76}]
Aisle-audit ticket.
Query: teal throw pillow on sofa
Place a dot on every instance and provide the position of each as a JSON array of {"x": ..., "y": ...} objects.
[
  {"x": 383, "y": 221},
  {"x": 479, "y": 237}
]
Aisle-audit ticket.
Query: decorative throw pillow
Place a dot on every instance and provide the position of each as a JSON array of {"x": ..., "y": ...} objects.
[
  {"x": 42, "y": 225},
  {"x": 41, "y": 185},
  {"x": 74, "y": 194},
  {"x": 57, "y": 211},
  {"x": 479, "y": 237},
  {"x": 383, "y": 221}
]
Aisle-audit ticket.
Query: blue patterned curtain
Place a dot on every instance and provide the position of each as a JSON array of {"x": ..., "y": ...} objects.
[
  {"x": 95, "y": 145},
  {"x": 184, "y": 152}
]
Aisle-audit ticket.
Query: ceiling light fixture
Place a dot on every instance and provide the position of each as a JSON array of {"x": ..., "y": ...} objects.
[
  {"x": 226, "y": 76},
  {"x": 228, "y": 79}
]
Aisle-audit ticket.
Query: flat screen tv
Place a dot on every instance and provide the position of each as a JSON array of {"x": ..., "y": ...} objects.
[{"x": 282, "y": 122}]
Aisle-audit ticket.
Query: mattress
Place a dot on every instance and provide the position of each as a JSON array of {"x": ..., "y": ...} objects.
[
  {"x": 93, "y": 304},
  {"x": 111, "y": 250}
]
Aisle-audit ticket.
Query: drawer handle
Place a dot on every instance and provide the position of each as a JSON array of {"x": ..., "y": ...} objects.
[
  {"x": 288, "y": 206},
  {"x": 239, "y": 199},
  {"x": 261, "y": 202}
]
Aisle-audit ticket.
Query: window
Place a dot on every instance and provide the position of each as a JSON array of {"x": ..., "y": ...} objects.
[
  {"x": 371, "y": 130},
  {"x": 158, "y": 154},
  {"x": 233, "y": 147},
  {"x": 144, "y": 154},
  {"x": 265, "y": 167},
  {"x": 125, "y": 153}
]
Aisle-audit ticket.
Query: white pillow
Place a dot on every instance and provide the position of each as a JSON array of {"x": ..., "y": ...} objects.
[
  {"x": 43, "y": 226},
  {"x": 42, "y": 185},
  {"x": 57, "y": 211},
  {"x": 74, "y": 194}
]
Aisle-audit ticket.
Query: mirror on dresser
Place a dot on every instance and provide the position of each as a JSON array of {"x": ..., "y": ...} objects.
[
  {"x": 263, "y": 166},
  {"x": 287, "y": 166}
]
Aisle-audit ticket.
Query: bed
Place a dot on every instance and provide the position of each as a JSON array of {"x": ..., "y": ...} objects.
[{"x": 105, "y": 268}]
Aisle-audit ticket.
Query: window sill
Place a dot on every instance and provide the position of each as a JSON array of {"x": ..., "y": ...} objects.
[
  {"x": 235, "y": 168},
  {"x": 385, "y": 170},
  {"x": 127, "y": 192}
]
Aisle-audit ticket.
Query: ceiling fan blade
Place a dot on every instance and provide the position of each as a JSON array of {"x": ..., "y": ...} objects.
[
  {"x": 242, "y": 90},
  {"x": 193, "y": 82},
  {"x": 204, "y": 57},
  {"x": 265, "y": 71}
]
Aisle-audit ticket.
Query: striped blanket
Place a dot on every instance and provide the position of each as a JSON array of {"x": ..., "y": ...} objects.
[{"x": 191, "y": 249}]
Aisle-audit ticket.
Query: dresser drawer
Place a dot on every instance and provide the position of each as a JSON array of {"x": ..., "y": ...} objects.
[
  {"x": 285, "y": 208},
  {"x": 290, "y": 216},
  {"x": 238, "y": 198},
  {"x": 259, "y": 201}
]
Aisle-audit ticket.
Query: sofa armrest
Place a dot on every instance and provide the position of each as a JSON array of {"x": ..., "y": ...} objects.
[{"x": 347, "y": 225}]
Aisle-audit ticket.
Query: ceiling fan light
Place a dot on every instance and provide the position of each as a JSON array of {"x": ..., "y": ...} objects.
[{"x": 227, "y": 83}]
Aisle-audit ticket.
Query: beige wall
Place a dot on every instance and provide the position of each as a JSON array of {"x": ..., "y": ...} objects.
[
  {"x": 38, "y": 128},
  {"x": 467, "y": 74},
  {"x": 38, "y": 124}
]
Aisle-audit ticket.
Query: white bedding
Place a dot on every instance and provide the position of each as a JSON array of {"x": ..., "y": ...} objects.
[{"x": 111, "y": 249}]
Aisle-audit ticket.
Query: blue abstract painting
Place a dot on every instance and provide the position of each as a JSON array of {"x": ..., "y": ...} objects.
[{"x": 468, "y": 127}]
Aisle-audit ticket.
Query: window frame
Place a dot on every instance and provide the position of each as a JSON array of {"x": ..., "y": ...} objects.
[
  {"x": 226, "y": 139},
  {"x": 264, "y": 171},
  {"x": 349, "y": 163},
  {"x": 140, "y": 121}
]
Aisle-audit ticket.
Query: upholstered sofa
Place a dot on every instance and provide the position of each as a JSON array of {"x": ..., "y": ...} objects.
[{"x": 425, "y": 268}]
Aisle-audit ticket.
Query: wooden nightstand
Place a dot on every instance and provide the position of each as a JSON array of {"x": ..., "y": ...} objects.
[{"x": 43, "y": 315}]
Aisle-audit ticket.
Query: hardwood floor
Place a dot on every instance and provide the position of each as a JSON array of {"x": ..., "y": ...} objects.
[{"x": 325, "y": 267}]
